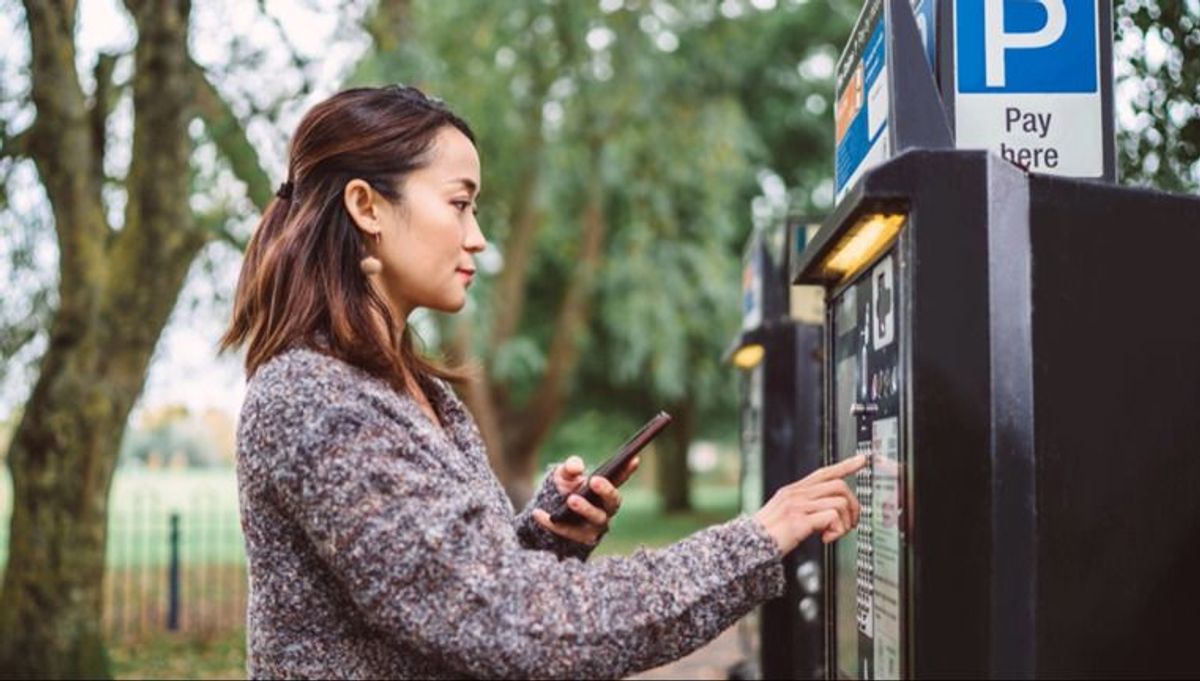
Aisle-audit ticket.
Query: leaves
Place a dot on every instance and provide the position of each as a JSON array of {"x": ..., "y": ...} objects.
[
  {"x": 1158, "y": 78},
  {"x": 668, "y": 111}
]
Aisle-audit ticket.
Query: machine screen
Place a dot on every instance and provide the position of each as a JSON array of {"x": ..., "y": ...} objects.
[{"x": 867, "y": 591}]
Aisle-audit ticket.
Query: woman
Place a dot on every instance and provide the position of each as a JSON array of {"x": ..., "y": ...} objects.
[{"x": 380, "y": 544}]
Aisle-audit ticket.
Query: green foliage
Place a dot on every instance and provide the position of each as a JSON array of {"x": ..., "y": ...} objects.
[
  {"x": 1161, "y": 39},
  {"x": 641, "y": 523},
  {"x": 671, "y": 110},
  {"x": 779, "y": 66},
  {"x": 592, "y": 434}
]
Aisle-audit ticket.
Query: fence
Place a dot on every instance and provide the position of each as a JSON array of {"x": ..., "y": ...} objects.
[
  {"x": 173, "y": 563},
  {"x": 173, "y": 570}
]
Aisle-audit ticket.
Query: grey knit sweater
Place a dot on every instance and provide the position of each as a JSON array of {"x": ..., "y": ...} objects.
[{"x": 381, "y": 546}]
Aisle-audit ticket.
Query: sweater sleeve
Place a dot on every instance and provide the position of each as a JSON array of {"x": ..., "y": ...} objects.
[
  {"x": 431, "y": 566},
  {"x": 534, "y": 536}
]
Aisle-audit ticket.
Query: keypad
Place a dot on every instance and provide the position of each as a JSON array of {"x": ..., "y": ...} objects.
[{"x": 865, "y": 560}]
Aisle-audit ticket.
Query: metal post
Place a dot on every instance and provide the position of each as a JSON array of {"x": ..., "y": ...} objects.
[{"x": 173, "y": 575}]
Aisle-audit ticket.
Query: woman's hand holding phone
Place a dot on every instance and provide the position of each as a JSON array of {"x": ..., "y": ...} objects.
[{"x": 568, "y": 479}]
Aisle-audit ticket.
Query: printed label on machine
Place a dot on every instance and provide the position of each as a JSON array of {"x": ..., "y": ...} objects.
[
  {"x": 863, "y": 94},
  {"x": 885, "y": 519},
  {"x": 751, "y": 444},
  {"x": 883, "y": 325},
  {"x": 752, "y": 288},
  {"x": 861, "y": 109}
]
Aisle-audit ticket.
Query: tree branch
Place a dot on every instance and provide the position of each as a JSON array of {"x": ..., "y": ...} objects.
[
  {"x": 60, "y": 143},
  {"x": 216, "y": 223},
  {"x": 230, "y": 137},
  {"x": 508, "y": 298},
  {"x": 546, "y": 401},
  {"x": 159, "y": 239},
  {"x": 509, "y": 294},
  {"x": 16, "y": 146},
  {"x": 102, "y": 103},
  {"x": 298, "y": 61},
  {"x": 388, "y": 24},
  {"x": 159, "y": 172}
]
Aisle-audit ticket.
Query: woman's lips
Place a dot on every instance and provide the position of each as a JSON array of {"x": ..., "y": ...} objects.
[{"x": 466, "y": 274}]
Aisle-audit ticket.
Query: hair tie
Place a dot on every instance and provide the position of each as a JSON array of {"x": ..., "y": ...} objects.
[{"x": 285, "y": 191}]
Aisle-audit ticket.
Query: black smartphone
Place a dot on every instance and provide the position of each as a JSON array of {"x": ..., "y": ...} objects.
[{"x": 563, "y": 514}]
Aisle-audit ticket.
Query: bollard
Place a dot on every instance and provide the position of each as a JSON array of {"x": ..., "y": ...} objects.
[{"x": 173, "y": 575}]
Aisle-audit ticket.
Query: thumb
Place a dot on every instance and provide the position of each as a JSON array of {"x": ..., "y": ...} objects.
[{"x": 573, "y": 466}]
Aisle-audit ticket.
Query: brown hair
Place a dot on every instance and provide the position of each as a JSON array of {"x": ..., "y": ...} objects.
[{"x": 301, "y": 283}]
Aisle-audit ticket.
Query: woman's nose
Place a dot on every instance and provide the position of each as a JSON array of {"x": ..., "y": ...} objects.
[{"x": 474, "y": 240}]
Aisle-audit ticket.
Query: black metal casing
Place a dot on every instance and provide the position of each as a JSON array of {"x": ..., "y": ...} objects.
[
  {"x": 786, "y": 436},
  {"x": 1049, "y": 418},
  {"x": 791, "y": 644}
]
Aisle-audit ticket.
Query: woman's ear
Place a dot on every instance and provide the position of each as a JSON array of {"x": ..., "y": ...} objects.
[{"x": 360, "y": 201}]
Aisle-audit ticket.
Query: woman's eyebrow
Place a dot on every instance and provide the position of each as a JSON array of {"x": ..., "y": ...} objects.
[{"x": 468, "y": 183}]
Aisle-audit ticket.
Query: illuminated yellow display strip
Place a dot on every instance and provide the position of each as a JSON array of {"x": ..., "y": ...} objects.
[
  {"x": 748, "y": 356},
  {"x": 860, "y": 245}
]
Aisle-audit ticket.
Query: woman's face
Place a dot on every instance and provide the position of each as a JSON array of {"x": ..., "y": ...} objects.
[{"x": 428, "y": 239}]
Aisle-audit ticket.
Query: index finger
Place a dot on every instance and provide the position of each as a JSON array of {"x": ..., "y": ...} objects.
[
  {"x": 838, "y": 470},
  {"x": 626, "y": 471}
]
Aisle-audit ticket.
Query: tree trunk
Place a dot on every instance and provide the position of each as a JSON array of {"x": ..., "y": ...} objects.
[
  {"x": 673, "y": 478},
  {"x": 539, "y": 414},
  {"x": 62, "y": 459},
  {"x": 116, "y": 292},
  {"x": 476, "y": 394}
]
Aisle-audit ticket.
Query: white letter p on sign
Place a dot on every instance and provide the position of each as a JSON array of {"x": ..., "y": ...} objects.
[{"x": 998, "y": 41}]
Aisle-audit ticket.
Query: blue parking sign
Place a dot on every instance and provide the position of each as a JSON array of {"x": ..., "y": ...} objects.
[
  {"x": 1030, "y": 46},
  {"x": 1032, "y": 82}
]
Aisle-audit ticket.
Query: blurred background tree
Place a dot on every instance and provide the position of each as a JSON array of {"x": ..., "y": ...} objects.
[
  {"x": 116, "y": 288},
  {"x": 111, "y": 147},
  {"x": 629, "y": 146},
  {"x": 621, "y": 149},
  {"x": 174, "y": 437}
]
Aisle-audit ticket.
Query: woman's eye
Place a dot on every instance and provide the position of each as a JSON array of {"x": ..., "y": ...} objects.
[{"x": 461, "y": 205}]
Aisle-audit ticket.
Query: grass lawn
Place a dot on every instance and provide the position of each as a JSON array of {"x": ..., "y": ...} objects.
[{"x": 220, "y": 655}]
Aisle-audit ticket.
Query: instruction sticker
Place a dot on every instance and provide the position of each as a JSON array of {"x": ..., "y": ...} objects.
[
  {"x": 883, "y": 297},
  {"x": 861, "y": 112},
  {"x": 885, "y": 444}
]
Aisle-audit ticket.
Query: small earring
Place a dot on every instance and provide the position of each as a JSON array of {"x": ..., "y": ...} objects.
[{"x": 371, "y": 265}]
